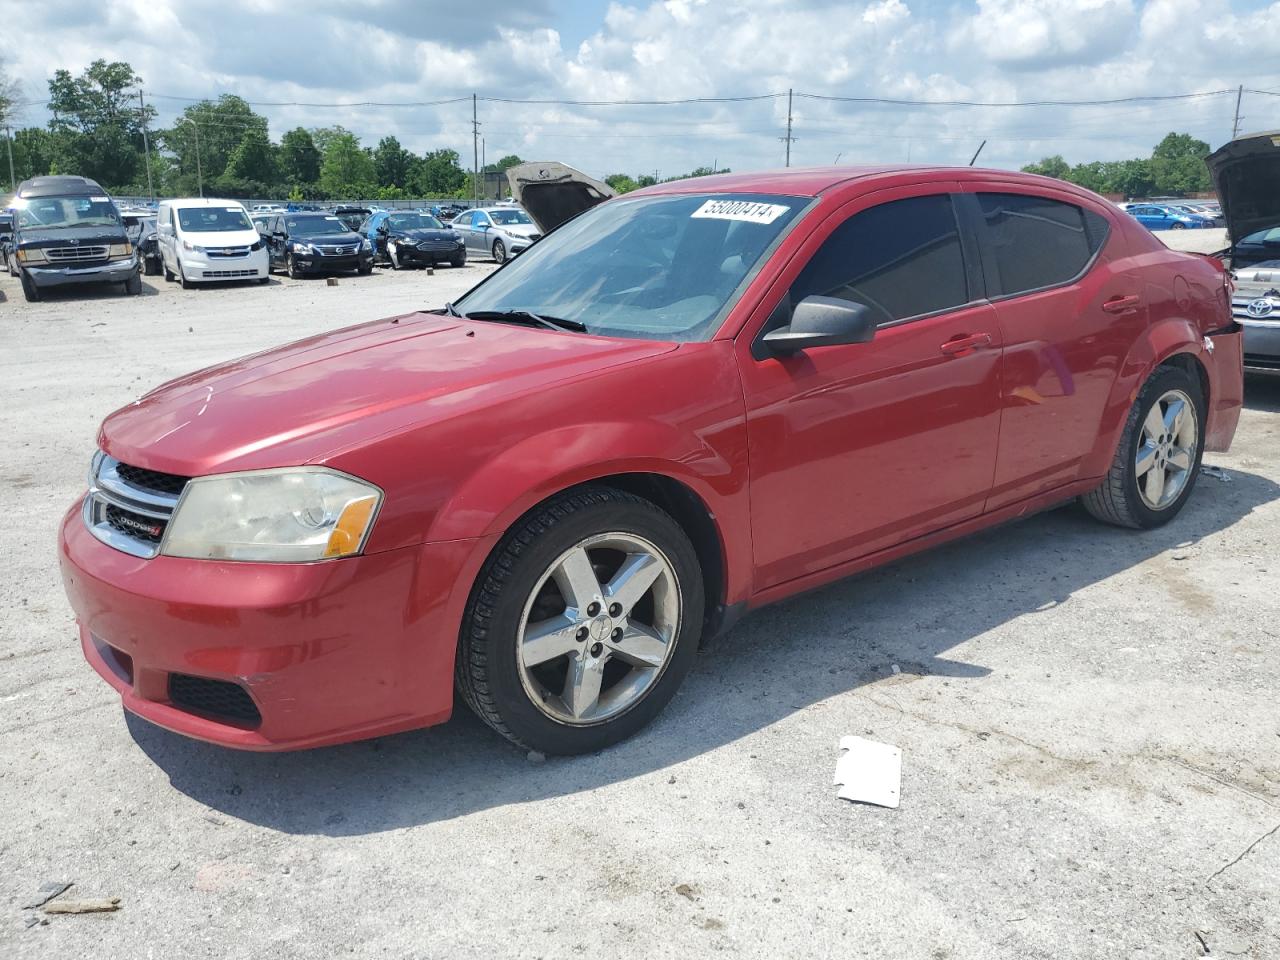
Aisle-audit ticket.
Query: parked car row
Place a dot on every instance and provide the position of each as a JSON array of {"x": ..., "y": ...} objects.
[{"x": 1166, "y": 214}]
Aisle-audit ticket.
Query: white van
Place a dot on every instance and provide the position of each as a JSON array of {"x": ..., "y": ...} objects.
[{"x": 208, "y": 240}]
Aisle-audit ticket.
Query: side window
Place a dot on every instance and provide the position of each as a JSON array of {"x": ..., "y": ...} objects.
[
  {"x": 1039, "y": 242},
  {"x": 901, "y": 258}
]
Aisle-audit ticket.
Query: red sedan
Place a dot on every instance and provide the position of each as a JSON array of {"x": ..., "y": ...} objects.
[{"x": 680, "y": 405}]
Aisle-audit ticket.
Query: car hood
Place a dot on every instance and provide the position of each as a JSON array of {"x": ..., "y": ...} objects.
[
  {"x": 312, "y": 399},
  {"x": 222, "y": 238},
  {"x": 330, "y": 239},
  {"x": 425, "y": 233},
  {"x": 1246, "y": 173},
  {"x": 35, "y": 237},
  {"x": 552, "y": 192}
]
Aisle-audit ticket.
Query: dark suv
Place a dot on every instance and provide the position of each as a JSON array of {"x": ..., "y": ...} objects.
[{"x": 68, "y": 231}]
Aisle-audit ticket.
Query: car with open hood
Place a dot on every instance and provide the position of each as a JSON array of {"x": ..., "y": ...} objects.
[
  {"x": 680, "y": 405},
  {"x": 1246, "y": 172},
  {"x": 68, "y": 232},
  {"x": 411, "y": 238}
]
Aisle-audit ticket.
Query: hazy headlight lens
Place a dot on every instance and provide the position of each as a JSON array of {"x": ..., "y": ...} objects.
[
  {"x": 291, "y": 514},
  {"x": 119, "y": 250},
  {"x": 35, "y": 255}
]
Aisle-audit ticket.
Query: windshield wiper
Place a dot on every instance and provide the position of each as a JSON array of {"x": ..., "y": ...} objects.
[
  {"x": 452, "y": 311},
  {"x": 529, "y": 318}
]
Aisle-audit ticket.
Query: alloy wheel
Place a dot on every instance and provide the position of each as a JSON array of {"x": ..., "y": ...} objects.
[
  {"x": 1166, "y": 449},
  {"x": 598, "y": 628}
]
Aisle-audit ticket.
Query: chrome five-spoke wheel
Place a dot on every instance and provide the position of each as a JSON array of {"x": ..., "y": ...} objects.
[
  {"x": 1167, "y": 450},
  {"x": 598, "y": 628}
]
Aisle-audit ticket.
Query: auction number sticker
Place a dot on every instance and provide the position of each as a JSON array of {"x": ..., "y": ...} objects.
[{"x": 749, "y": 210}]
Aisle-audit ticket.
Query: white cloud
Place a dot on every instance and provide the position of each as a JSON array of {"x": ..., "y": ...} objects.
[{"x": 983, "y": 50}]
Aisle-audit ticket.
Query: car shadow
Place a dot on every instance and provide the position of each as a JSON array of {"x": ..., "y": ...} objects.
[{"x": 777, "y": 661}]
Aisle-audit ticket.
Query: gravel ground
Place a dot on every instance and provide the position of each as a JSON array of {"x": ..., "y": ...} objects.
[{"x": 1091, "y": 743}]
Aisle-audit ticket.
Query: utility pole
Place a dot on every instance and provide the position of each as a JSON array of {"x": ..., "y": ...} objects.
[
  {"x": 1235, "y": 123},
  {"x": 788, "y": 138},
  {"x": 8, "y": 139},
  {"x": 484, "y": 165},
  {"x": 199, "y": 173},
  {"x": 146, "y": 147},
  {"x": 475, "y": 147}
]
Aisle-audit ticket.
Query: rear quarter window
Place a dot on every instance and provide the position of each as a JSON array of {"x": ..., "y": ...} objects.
[{"x": 1037, "y": 242}]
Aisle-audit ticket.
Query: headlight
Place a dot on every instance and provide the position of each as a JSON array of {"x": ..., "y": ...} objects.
[
  {"x": 119, "y": 250},
  {"x": 299, "y": 247},
  {"x": 31, "y": 256},
  {"x": 256, "y": 245},
  {"x": 294, "y": 514},
  {"x": 188, "y": 245},
  {"x": 459, "y": 241},
  {"x": 366, "y": 244}
]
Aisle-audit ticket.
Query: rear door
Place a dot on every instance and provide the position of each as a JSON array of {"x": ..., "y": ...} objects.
[{"x": 1069, "y": 308}]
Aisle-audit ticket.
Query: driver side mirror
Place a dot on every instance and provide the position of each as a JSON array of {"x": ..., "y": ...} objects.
[
  {"x": 820, "y": 322},
  {"x": 382, "y": 230}
]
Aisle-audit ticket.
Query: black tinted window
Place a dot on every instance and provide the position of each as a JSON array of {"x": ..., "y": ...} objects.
[
  {"x": 1038, "y": 242},
  {"x": 901, "y": 258}
]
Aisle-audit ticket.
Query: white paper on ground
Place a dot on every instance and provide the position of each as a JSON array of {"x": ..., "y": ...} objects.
[{"x": 869, "y": 772}]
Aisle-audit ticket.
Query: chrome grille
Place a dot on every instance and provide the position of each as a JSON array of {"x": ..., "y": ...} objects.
[
  {"x": 128, "y": 507},
  {"x": 335, "y": 251},
  {"x": 74, "y": 254},
  {"x": 1265, "y": 312},
  {"x": 224, "y": 274},
  {"x": 227, "y": 251}
]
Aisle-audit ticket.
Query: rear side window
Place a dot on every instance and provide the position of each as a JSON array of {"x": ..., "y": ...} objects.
[
  {"x": 1038, "y": 242},
  {"x": 901, "y": 258}
]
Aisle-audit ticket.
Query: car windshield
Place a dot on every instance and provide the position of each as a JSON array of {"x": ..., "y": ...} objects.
[
  {"x": 655, "y": 268},
  {"x": 1263, "y": 238},
  {"x": 314, "y": 226},
  {"x": 414, "y": 221},
  {"x": 61, "y": 212},
  {"x": 212, "y": 219},
  {"x": 508, "y": 216}
]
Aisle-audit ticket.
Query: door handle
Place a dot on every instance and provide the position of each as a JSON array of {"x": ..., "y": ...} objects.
[
  {"x": 1125, "y": 304},
  {"x": 958, "y": 346}
]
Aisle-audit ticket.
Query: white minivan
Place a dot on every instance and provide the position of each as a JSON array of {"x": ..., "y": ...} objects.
[{"x": 203, "y": 240}]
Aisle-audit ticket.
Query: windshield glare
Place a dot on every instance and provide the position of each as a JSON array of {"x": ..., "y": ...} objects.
[
  {"x": 655, "y": 268},
  {"x": 1268, "y": 237},
  {"x": 414, "y": 221},
  {"x": 315, "y": 226},
  {"x": 212, "y": 219},
  {"x": 55, "y": 212},
  {"x": 509, "y": 216}
]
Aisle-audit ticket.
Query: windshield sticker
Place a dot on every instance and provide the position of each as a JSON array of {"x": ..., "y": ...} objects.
[
  {"x": 232, "y": 209},
  {"x": 748, "y": 210},
  {"x": 99, "y": 199}
]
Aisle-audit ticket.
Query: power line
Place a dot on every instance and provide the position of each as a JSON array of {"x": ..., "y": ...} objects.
[{"x": 892, "y": 101}]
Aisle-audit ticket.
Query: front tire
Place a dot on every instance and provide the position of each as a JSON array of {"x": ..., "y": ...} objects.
[
  {"x": 499, "y": 252},
  {"x": 1177, "y": 226},
  {"x": 133, "y": 286},
  {"x": 291, "y": 268},
  {"x": 29, "y": 289},
  {"x": 583, "y": 622},
  {"x": 459, "y": 261},
  {"x": 1158, "y": 459},
  {"x": 183, "y": 282}
]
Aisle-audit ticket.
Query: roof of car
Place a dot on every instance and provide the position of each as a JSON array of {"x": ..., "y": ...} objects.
[
  {"x": 202, "y": 202},
  {"x": 59, "y": 186},
  {"x": 811, "y": 181}
]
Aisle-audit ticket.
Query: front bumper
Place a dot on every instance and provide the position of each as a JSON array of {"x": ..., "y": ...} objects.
[
  {"x": 202, "y": 268},
  {"x": 327, "y": 652},
  {"x": 312, "y": 263},
  {"x": 114, "y": 271},
  {"x": 416, "y": 255}
]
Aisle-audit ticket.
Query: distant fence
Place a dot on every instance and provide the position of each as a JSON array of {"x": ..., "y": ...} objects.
[{"x": 421, "y": 204}]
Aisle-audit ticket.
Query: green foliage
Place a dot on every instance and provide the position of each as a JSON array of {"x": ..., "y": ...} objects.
[
  {"x": 391, "y": 164},
  {"x": 503, "y": 165},
  {"x": 441, "y": 176},
  {"x": 621, "y": 182},
  {"x": 1175, "y": 167},
  {"x": 347, "y": 169},
  {"x": 254, "y": 158},
  {"x": 206, "y": 135},
  {"x": 299, "y": 158},
  {"x": 104, "y": 95}
]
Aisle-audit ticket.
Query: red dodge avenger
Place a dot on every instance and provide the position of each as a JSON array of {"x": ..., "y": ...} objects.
[{"x": 679, "y": 405}]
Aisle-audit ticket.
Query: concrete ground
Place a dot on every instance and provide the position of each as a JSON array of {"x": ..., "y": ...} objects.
[{"x": 1088, "y": 720}]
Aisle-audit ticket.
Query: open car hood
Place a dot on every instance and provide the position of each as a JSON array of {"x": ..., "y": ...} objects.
[
  {"x": 552, "y": 193},
  {"x": 1246, "y": 173}
]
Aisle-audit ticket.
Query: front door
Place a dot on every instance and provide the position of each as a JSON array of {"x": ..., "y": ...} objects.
[{"x": 856, "y": 448}]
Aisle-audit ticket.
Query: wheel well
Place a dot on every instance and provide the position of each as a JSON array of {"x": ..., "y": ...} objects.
[
  {"x": 1193, "y": 366},
  {"x": 688, "y": 510}
]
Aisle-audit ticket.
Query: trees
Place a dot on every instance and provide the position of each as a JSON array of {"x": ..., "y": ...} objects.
[
  {"x": 220, "y": 127},
  {"x": 391, "y": 163},
  {"x": 96, "y": 125},
  {"x": 347, "y": 169},
  {"x": 1176, "y": 166},
  {"x": 440, "y": 174},
  {"x": 299, "y": 158}
]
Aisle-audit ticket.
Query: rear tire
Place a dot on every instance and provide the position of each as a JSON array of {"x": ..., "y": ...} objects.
[
  {"x": 637, "y": 648},
  {"x": 1177, "y": 226},
  {"x": 1158, "y": 458}
]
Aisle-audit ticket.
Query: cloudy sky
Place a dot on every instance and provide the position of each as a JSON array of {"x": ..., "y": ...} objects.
[{"x": 399, "y": 51}]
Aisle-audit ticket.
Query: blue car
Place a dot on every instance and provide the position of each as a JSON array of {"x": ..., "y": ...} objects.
[{"x": 1156, "y": 216}]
